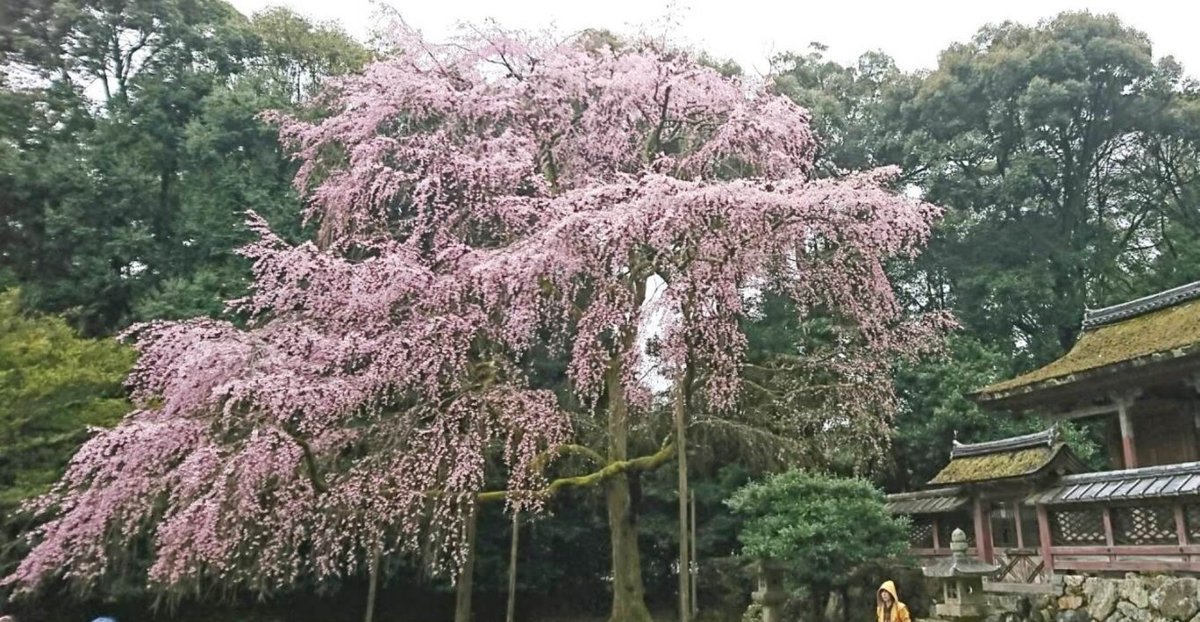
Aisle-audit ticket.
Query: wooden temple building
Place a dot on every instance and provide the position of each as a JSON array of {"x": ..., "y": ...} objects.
[{"x": 1028, "y": 501}]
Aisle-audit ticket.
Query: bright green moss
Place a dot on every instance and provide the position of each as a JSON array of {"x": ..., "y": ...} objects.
[
  {"x": 995, "y": 466},
  {"x": 1170, "y": 332}
]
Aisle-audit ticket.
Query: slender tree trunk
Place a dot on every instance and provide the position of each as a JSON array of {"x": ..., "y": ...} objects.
[
  {"x": 695, "y": 560},
  {"x": 819, "y": 602},
  {"x": 685, "y": 566},
  {"x": 629, "y": 594},
  {"x": 373, "y": 586},
  {"x": 466, "y": 578},
  {"x": 512, "y": 568}
]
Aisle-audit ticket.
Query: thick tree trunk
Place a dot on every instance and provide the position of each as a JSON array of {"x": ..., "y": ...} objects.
[
  {"x": 466, "y": 578},
  {"x": 629, "y": 594}
]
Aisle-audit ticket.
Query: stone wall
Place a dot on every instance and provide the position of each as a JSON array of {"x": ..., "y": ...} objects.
[{"x": 1134, "y": 598}]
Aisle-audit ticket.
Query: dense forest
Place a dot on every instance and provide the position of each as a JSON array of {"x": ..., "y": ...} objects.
[{"x": 134, "y": 136}]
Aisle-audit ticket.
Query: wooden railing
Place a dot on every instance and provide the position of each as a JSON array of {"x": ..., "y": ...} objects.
[
  {"x": 1150, "y": 538},
  {"x": 1160, "y": 536},
  {"x": 1020, "y": 566}
]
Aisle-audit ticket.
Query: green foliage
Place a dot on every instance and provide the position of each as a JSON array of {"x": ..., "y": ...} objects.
[
  {"x": 1066, "y": 159},
  {"x": 130, "y": 207},
  {"x": 1036, "y": 140},
  {"x": 53, "y": 386},
  {"x": 823, "y": 527},
  {"x": 936, "y": 408},
  {"x": 858, "y": 111},
  {"x": 1065, "y": 156},
  {"x": 299, "y": 53}
]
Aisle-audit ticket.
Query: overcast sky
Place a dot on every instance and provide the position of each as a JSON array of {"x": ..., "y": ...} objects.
[{"x": 751, "y": 31}]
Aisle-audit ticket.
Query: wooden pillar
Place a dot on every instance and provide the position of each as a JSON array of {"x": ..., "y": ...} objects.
[
  {"x": 937, "y": 539},
  {"x": 1128, "y": 446},
  {"x": 1181, "y": 525},
  {"x": 1044, "y": 535},
  {"x": 1124, "y": 402},
  {"x": 983, "y": 530},
  {"x": 1196, "y": 428},
  {"x": 1106, "y": 517},
  {"x": 1017, "y": 517}
]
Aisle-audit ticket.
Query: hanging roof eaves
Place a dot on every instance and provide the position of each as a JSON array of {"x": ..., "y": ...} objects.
[
  {"x": 1174, "y": 480},
  {"x": 936, "y": 501}
]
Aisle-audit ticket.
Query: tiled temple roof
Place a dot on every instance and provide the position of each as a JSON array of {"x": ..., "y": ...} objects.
[
  {"x": 1164, "y": 326},
  {"x": 1017, "y": 457}
]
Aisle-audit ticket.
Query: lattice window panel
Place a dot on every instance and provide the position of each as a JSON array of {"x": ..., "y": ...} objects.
[
  {"x": 1077, "y": 527},
  {"x": 920, "y": 534},
  {"x": 1191, "y": 514},
  {"x": 1148, "y": 524}
]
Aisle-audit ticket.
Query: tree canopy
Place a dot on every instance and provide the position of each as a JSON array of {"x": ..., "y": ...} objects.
[
  {"x": 471, "y": 197},
  {"x": 821, "y": 527},
  {"x": 580, "y": 239}
]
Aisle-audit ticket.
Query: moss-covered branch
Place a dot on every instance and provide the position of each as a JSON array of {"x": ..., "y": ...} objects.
[{"x": 641, "y": 463}]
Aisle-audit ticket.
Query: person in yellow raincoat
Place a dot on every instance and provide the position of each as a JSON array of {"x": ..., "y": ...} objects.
[{"x": 888, "y": 607}]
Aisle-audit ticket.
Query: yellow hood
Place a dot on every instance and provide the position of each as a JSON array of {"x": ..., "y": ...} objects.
[{"x": 890, "y": 588}]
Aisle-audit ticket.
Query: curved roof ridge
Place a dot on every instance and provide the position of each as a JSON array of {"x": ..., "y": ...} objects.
[
  {"x": 1125, "y": 310},
  {"x": 1045, "y": 438}
]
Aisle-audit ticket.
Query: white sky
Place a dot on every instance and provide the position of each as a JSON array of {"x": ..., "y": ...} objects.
[{"x": 751, "y": 31}]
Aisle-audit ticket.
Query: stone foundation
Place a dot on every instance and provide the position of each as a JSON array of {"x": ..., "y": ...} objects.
[{"x": 1077, "y": 598}]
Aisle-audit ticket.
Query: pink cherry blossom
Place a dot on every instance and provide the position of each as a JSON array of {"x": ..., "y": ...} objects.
[{"x": 472, "y": 198}]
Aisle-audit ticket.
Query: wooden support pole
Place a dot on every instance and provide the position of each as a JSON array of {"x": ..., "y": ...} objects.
[
  {"x": 466, "y": 576},
  {"x": 695, "y": 561},
  {"x": 512, "y": 568},
  {"x": 937, "y": 539},
  {"x": 1043, "y": 518},
  {"x": 681, "y": 403},
  {"x": 373, "y": 585}
]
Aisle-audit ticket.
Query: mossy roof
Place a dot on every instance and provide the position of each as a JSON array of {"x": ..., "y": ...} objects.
[
  {"x": 1000, "y": 465},
  {"x": 1166, "y": 333}
]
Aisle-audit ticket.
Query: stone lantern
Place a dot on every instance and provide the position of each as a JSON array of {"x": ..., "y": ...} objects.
[
  {"x": 770, "y": 593},
  {"x": 961, "y": 577}
]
